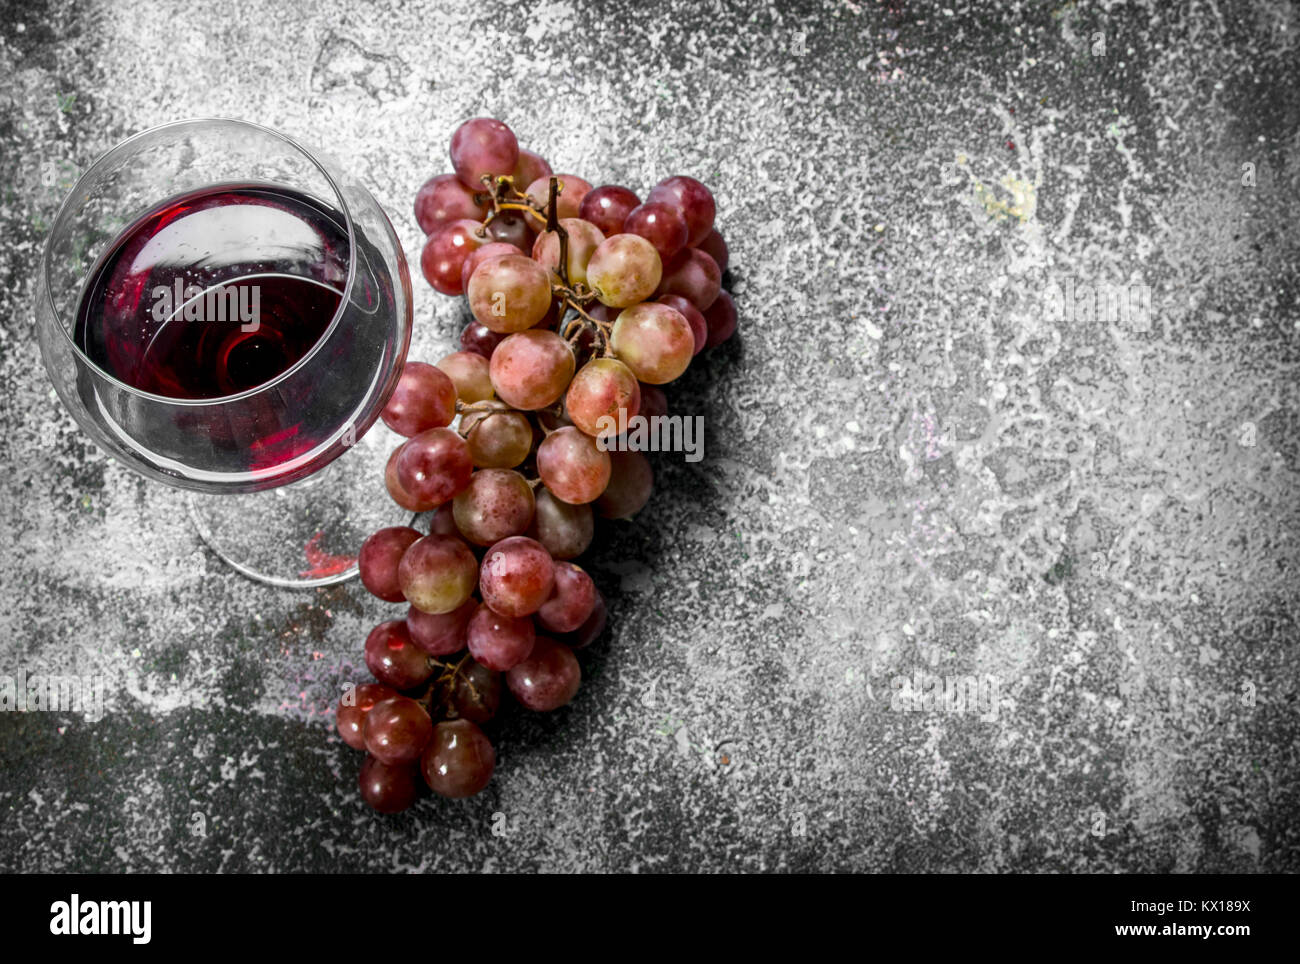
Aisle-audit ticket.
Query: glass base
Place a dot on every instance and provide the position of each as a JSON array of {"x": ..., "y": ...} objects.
[{"x": 308, "y": 533}]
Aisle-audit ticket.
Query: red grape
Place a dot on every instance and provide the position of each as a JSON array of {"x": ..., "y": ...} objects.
[
  {"x": 699, "y": 327},
  {"x": 516, "y": 577},
  {"x": 397, "y": 730},
  {"x": 692, "y": 199},
  {"x": 531, "y": 369},
  {"x": 653, "y": 401},
  {"x": 601, "y": 388},
  {"x": 434, "y": 465},
  {"x": 565, "y": 530},
  {"x": 572, "y": 600},
  {"x": 721, "y": 319},
  {"x": 496, "y": 504},
  {"x": 654, "y": 341},
  {"x": 548, "y": 678},
  {"x": 468, "y": 372},
  {"x": 569, "y": 201},
  {"x": 661, "y": 225},
  {"x": 624, "y": 269},
  {"x": 497, "y": 440},
  {"x": 399, "y": 494},
  {"x": 590, "y": 630},
  {"x": 584, "y": 238},
  {"x": 459, "y": 760},
  {"x": 440, "y": 634},
  {"x": 437, "y": 574},
  {"x": 353, "y": 707},
  {"x": 572, "y": 466},
  {"x": 474, "y": 693},
  {"x": 443, "y": 522},
  {"x": 607, "y": 207},
  {"x": 497, "y": 641},
  {"x": 512, "y": 228},
  {"x": 529, "y": 168},
  {"x": 393, "y": 658},
  {"x": 716, "y": 248},
  {"x": 388, "y": 789},
  {"x": 510, "y": 293},
  {"x": 483, "y": 146},
  {"x": 444, "y": 253},
  {"x": 379, "y": 557},
  {"x": 693, "y": 275},
  {"x": 485, "y": 252},
  {"x": 631, "y": 481},
  {"x": 443, "y": 199},
  {"x": 424, "y": 398},
  {"x": 480, "y": 339}
]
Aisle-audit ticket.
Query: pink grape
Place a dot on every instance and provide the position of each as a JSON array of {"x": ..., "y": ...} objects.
[
  {"x": 584, "y": 238},
  {"x": 692, "y": 199},
  {"x": 516, "y": 577},
  {"x": 479, "y": 338},
  {"x": 397, "y": 730},
  {"x": 393, "y": 658},
  {"x": 716, "y": 248},
  {"x": 444, "y": 253},
  {"x": 591, "y": 629},
  {"x": 459, "y": 760},
  {"x": 399, "y": 494},
  {"x": 496, "y": 504},
  {"x": 569, "y": 201},
  {"x": 443, "y": 199},
  {"x": 631, "y": 481},
  {"x": 486, "y": 252},
  {"x": 388, "y": 789},
  {"x": 721, "y": 319},
  {"x": 531, "y": 369},
  {"x": 483, "y": 146},
  {"x": 434, "y": 465},
  {"x": 497, "y": 441},
  {"x": 529, "y": 168},
  {"x": 510, "y": 293},
  {"x": 437, "y": 574},
  {"x": 571, "y": 602},
  {"x": 497, "y": 641},
  {"x": 654, "y": 341},
  {"x": 699, "y": 327},
  {"x": 624, "y": 269},
  {"x": 572, "y": 466},
  {"x": 379, "y": 558},
  {"x": 353, "y": 707},
  {"x": 547, "y": 679},
  {"x": 693, "y": 275},
  {"x": 424, "y": 398},
  {"x": 601, "y": 388},
  {"x": 440, "y": 634},
  {"x": 607, "y": 207},
  {"x": 661, "y": 225},
  {"x": 564, "y": 530},
  {"x": 468, "y": 372}
]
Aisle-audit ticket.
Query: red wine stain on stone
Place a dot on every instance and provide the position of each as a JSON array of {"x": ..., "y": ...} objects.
[{"x": 321, "y": 562}]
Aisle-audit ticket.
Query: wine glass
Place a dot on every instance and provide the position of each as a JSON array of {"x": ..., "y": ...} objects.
[{"x": 227, "y": 312}]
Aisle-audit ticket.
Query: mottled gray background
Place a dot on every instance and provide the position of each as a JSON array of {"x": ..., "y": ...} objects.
[{"x": 912, "y": 464}]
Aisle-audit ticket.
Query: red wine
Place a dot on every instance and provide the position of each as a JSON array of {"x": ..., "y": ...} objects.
[{"x": 215, "y": 292}]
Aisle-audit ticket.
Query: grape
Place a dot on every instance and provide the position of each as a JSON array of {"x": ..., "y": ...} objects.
[
  {"x": 583, "y": 240},
  {"x": 547, "y": 679},
  {"x": 483, "y": 146},
  {"x": 510, "y": 293},
  {"x": 443, "y": 522},
  {"x": 572, "y": 600},
  {"x": 437, "y": 574},
  {"x": 353, "y": 707},
  {"x": 564, "y": 530},
  {"x": 388, "y": 789},
  {"x": 516, "y": 577},
  {"x": 474, "y": 693},
  {"x": 496, "y": 504},
  {"x": 379, "y": 558},
  {"x": 459, "y": 760},
  {"x": 397, "y": 730},
  {"x": 444, "y": 253},
  {"x": 479, "y": 338},
  {"x": 601, "y": 388},
  {"x": 721, "y": 319},
  {"x": 568, "y": 202},
  {"x": 716, "y": 248},
  {"x": 434, "y": 465},
  {"x": 529, "y": 168},
  {"x": 443, "y": 199},
  {"x": 630, "y": 482},
  {"x": 497, "y": 441},
  {"x": 624, "y": 269},
  {"x": 512, "y": 228},
  {"x": 590, "y": 630},
  {"x": 661, "y": 225},
  {"x": 531, "y": 369},
  {"x": 468, "y": 372},
  {"x": 497, "y": 641},
  {"x": 572, "y": 466},
  {"x": 440, "y": 634},
  {"x": 654, "y": 341},
  {"x": 607, "y": 207},
  {"x": 692, "y": 199},
  {"x": 699, "y": 327},
  {"x": 393, "y": 658},
  {"x": 485, "y": 252},
  {"x": 653, "y": 401},
  {"x": 424, "y": 398},
  {"x": 694, "y": 276},
  {"x": 603, "y": 312},
  {"x": 399, "y": 494}
]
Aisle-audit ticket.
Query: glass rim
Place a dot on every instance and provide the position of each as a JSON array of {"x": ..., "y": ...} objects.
[{"x": 117, "y": 383}]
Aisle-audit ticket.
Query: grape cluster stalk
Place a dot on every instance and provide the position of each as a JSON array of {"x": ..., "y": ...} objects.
[{"x": 585, "y": 300}]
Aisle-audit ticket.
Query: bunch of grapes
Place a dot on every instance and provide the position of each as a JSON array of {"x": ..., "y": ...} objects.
[{"x": 585, "y": 300}]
